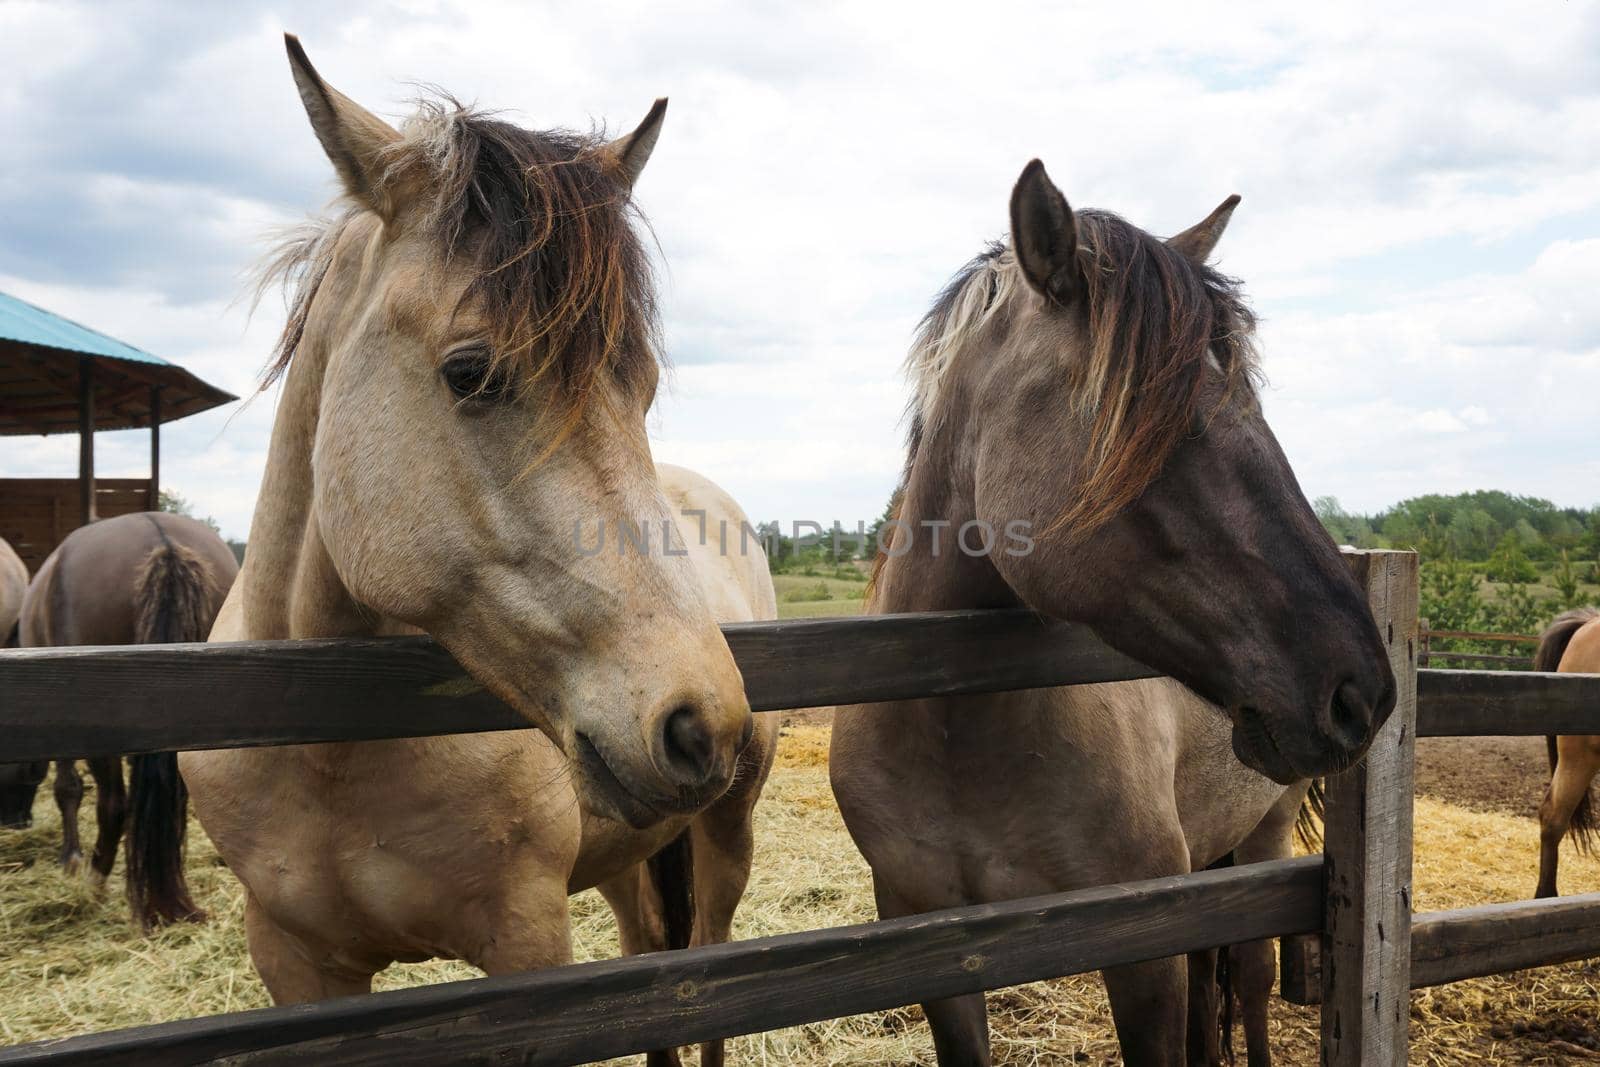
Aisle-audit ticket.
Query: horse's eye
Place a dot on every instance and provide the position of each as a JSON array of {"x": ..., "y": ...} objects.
[{"x": 472, "y": 376}]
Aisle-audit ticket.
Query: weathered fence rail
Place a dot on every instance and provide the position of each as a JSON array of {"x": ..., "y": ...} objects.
[
  {"x": 128, "y": 698},
  {"x": 92, "y": 701},
  {"x": 1355, "y": 899},
  {"x": 611, "y": 1008},
  {"x": 1448, "y": 946}
]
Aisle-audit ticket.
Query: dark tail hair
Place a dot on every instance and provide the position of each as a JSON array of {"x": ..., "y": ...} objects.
[
  {"x": 1225, "y": 995},
  {"x": 672, "y": 874},
  {"x": 173, "y": 605},
  {"x": 1308, "y": 821},
  {"x": 1552, "y": 646},
  {"x": 1223, "y": 976}
]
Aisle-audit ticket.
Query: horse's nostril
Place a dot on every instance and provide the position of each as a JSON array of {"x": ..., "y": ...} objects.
[
  {"x": 1350, "y": 715},
  {"x": 689, "y": 745}
]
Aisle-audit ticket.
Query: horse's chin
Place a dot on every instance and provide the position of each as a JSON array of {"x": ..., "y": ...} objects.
[
  {"x": 1257, "y": 749},
  {"x": 602, "y": 793}
]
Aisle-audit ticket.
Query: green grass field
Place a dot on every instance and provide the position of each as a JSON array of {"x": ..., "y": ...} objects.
[{"x": 803, "y": 596}]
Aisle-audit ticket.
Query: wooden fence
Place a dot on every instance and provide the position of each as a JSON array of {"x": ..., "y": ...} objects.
[
  {"x": 1355, "y": 899},
  {"x": 1426, "y": 653}
]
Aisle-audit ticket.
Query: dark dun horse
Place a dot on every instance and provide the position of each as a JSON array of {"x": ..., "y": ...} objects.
[
  {"x": 1570, "y": 643},
  {"x": 1089, "y": 388},
  {"x": 135, "y": 579}
]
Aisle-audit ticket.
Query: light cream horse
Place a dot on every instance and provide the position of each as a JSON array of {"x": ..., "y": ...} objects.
[
  {"x": 472, "y": 359},
  {"x": 1086, "y": 434},
  {"x": 13, "y": 587},
  {"x": 18, "y": 781},
  {"x": 1570, "y": 643}
]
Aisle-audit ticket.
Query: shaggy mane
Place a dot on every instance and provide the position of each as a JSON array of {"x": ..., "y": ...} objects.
[
  {"x": 1155, "y": 321},
  {"x": 561, "y": 274}
]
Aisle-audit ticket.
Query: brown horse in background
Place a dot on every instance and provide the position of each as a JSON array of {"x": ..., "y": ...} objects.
[
  {"x": 147, "y": 578},
  {"x": 1571, "y": 644}
]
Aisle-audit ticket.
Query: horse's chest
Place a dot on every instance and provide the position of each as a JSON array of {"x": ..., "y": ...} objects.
[
  {"x": 395, "y": 854},
  {"x": 356, "y": 867}
]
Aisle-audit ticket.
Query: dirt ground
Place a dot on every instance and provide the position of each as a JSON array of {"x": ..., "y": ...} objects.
[
  {"x": 1484, "y": 773},
  {"x": 1499, "y": 774}
]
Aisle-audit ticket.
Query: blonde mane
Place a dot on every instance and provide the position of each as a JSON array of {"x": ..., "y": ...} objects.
[{"x": 973, "y": 297}]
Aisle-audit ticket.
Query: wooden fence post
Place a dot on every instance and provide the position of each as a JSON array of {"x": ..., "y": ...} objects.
[{"x": 1366, "y": 939}]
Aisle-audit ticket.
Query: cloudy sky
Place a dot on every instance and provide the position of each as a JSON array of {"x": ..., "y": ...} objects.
[{"x": 1420, "y": 228}]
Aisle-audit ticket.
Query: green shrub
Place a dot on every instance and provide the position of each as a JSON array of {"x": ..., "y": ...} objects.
[
  {"x": 808, "y": 594},
  {"x": 1451, "y": 595},
  {"x": 1565, "y": 579},
  {"x": 1510, "y": 563}
]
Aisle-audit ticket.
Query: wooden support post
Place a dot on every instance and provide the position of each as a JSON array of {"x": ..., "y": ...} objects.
[
  {"x": 86, "y": 511},
  {"x": 1300, "y": 969},
  {"x": 1366, "y": 939},
  {"x": 155, "y": 449}
]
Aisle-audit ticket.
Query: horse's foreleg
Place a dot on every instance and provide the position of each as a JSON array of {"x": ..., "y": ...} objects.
[
  {"x": 286, "y": 966},
  {"x": 111, "y": 812},
  {"x": 1205, "y": 1036},
  {"x": 640, "y": 928},
  {"x": 531, "y": 930},
  {"x": 637, "y": 909},
  {"x": 723, "y": 845},
  {"x": 1253, "y": 968},
  {"x": 960, "y": 1025},
  {"x": 1569, "y": 784},
  {"x": 1149, "y": 1004},
  {"x": 69, "y": 796}
]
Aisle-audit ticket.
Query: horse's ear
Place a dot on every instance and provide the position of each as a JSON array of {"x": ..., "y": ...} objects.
[
  {"x": 631, "y": 152},
  {"x": 353, "y": 137},
  {"x": 1200, "y": 240},
  {"x": 1044, "y": 236}
]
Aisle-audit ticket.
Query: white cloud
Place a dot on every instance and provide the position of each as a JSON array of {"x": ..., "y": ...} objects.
[
  {"x": 1486, "y": 381},
  {"x": 1437, "y": 421},
  {"x": 1422, "y": 204}
]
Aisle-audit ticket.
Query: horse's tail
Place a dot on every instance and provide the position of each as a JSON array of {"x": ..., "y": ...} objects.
[
  {"x": 1553, "y": 642},
  {"x": 672, "y": 874},
  {"x": 1225, "y": 998},
  {"x": 1223, "y": 975},
  {"x": 172, "y": 604},
  {"x": 1308, "y": 821},
  {"x": 1552, "y": 646}
]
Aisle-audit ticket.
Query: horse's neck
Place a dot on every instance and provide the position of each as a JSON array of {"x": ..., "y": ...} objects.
[
  {"x": 291, "y": 588},
  {"x": 936, "y": 575}
]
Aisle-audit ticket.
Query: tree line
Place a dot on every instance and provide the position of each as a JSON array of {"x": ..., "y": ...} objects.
[
  {"x": 1491, "y": 561},
  {"x": 1469, "y": 526}
]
